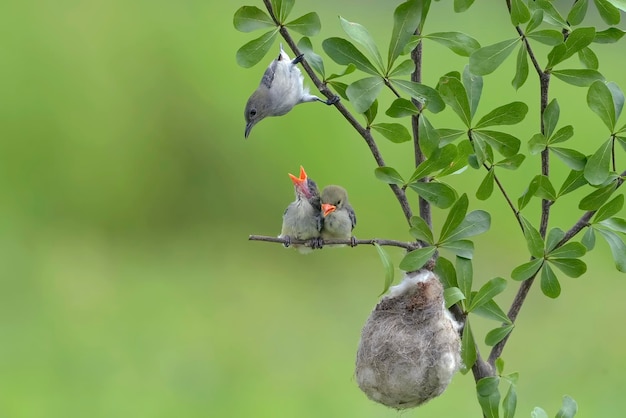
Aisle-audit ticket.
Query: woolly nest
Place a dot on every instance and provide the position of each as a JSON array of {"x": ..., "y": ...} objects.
[{"x": 410, "y": 346}]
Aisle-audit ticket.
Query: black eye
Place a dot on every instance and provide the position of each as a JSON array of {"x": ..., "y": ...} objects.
[{"x": 252, "y": 112}]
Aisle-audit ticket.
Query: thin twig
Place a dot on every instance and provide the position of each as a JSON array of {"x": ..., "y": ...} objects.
[
  {"x": 364, "y": 132},
  {"x": 409, "y": 246},
  {"x": 506, "y": 197}
]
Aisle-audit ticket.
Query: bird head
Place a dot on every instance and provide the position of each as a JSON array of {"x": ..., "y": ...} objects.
[
  {"x": 333, "y": 198},
  {"x": 256, "y": 108}
]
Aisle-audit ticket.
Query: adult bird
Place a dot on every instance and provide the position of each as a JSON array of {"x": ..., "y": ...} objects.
[
  {"x": 302, "y": 219},
  {"x": 281, "y": 88},
  {"x": 339, "y": 216}
]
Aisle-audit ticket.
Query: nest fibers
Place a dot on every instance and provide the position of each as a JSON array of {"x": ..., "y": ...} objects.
[{"x": 410, "y": 346}]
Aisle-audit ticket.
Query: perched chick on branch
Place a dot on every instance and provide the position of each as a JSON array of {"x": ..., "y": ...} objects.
[
  {"x": 281, "y": 88},
  {"x": 339, "y": 216},
  {"x": 302, "y": 219}
]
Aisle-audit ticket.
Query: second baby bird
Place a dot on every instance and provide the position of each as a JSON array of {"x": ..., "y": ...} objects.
[{"x": 339, "y": 216}]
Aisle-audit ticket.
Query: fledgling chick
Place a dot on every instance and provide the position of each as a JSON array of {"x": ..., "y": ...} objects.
[
  {"x": 339, "y": 216},
  {"x": 302, "y": 219},
  {"x": 281, "y": 88}
]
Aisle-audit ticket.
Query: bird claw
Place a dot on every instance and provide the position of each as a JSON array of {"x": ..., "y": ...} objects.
[
  {"x": 287, "y": 242},
  {"x": 298, "y": 59},
  {"x": 353, "y": 242},
  {"x": 332, "y": 100},
  {"x": 317, "y": 243}
]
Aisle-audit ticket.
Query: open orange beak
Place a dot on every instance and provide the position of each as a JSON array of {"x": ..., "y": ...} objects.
[
  {"x": 327, "y": 209},
  {"x": 301, "y": 182}
]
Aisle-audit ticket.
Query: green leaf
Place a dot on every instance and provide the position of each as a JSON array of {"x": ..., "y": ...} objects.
[
  {"x": 417, "y": 258},
  {"x": 572, "y": 158},
  {"x": 426, "y": 95},
  {"x": 454, "y": 95},
  {"x": 389, "y": 175},
  {"x": 608, "y": 12},
  {"x": 616, "y": 224},
  {"x": 521, "y": 68},
  {"x": 572, "y": 267},
  {"x": 370, "y": 114},
  {"x": 528, "y": 193},
  {"x": 462, "y": 5},
  {"x": 551, "y": 117},
  {"x": 574, "y": 180},
  {"x": 282, "y": 8},
  {"x": 459, "y": 43},
  {"x": 447, "y": 136},
  {"x": 394, "y": 132},
  {"x": 487, "y": 292},
  {"x": 556, "y": 55},
  {"x": 401, "y": 108},
  {"x": 464, "y": 275},
  {"x": 545, "y": 190},
  {"x": 511, "y": 163},
  {"x": 482, "y": 152},
  {"x": 491, "y": 310},
  {"x": 535, "y": 20},
  {"x": 589, "y": 239},
  {"x": 349, "y": 69},
  {"x": 474, "y": 88},
  {"x": 488, "y": 396},
  {"x": 618, "y": 248},
  {"x": 406, "y": 18},
  {"x": 343, "y": 52},
  {"x": 538, "y": 413},
  {"x": 618, "y": 98},
  {"x": 304, "y": 45},
  {"x": 578, "y": 39},
  {"x": 250, "y": 18},
  {"x": 519, "y": 12},
  {"x": 496, "y": 335},
  {"x": 579, "y": 78},
  {"x": 597, "y": 198},
  {"x": 533, "y": 239},
  {"x": 442, "y": 157},
  {"x": 554, "y": 237},
  {"x": 340, "y": 88},
  {"x": 550, "y": 285},
  {"x": 577, "y": 13},
  {"x": 486, "y": 186},
  {"x": 307, "y": 25},
  {"x": 468, "y": 347},
  {"x": 475, "y": 223},
  {"x": 388, "y": 265},
  {"x": 485, "y": 60},
  {"x": 509, "y": 403},
  {"x": 254, "y": 51},
  {"x": 504, "y": 143},
  {"x": 462, "y": 248},
  {"x": 509, "y": 114},
  {"x": 562, "y": 135},
  {"x": 404, "y": 68},
  {"x": 439, "y": 194},
  {"x": 550, "y": 14},
  {"x": 537, "y": 143},
  {"x": 359, "y": 34},
  {"x": 620, "y": 4},
  {"x": 568, "y": 250},
  {"x": 597, "y": 167},
  {"x": 600, "y": 101},
  {"x": 428, "y": 137},
  {"x": 609, "y": 36},
  {"x": 588, "y": 58},
  {"x": 420, "y": 230},
  {"x": 549, "y": 37},
  {"x": 527, "y": 270},
  {"x": 610, "y": 209},
  {"x": 444, "y": 269},
  {"x": 362, "y": 93},
  {"x": 452, "y": 295},
  {"x": 455, "y": 217},
  {"x": 569, "y": 408}
]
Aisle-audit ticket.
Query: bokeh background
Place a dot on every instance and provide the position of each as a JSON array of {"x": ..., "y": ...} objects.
[{"x": 128, "y": 287}]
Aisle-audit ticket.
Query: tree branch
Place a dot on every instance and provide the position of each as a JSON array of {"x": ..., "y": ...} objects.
[
  {"x": 364, "y": 132},
  {"x": 409, "y": 246}
]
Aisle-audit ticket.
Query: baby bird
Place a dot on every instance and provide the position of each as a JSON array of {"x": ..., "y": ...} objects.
[
  {"x": 281, "y": 88},
  {"x": 302, "y": 219},
  {"x": 339, "y": 217}
]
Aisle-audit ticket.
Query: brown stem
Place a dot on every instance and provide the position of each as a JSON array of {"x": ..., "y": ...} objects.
[{"x": 409, "y": 246}]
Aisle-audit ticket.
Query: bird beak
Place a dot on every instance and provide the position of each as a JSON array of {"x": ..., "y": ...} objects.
[
  {"x": 301, "y": 182},
  {"x": 327, "y": 209},
  {"x": 249, "y": 126}
]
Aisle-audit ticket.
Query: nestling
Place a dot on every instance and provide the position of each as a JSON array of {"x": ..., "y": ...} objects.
[
  {"x": 281, "y": 88},
  {"x": 339, "y": 216},
  {"x": 302, "y": 219}
]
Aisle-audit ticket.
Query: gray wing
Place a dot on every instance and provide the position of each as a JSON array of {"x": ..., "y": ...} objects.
[
  {"x": 352, "y": 216},
  {"x": 268, "y": 76}
]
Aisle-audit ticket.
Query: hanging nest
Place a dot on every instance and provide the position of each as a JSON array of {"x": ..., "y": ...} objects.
[{"x": 410, "y": 345}]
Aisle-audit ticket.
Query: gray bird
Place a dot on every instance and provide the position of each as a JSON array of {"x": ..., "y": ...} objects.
[
  {"x": 339, "y": 216},
  {"x": 302, "y": 219},
  {"x": 281, "y": 88}
]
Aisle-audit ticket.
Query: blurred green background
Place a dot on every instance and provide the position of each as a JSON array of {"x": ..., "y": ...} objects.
[{"x": 128, "y": 287}]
